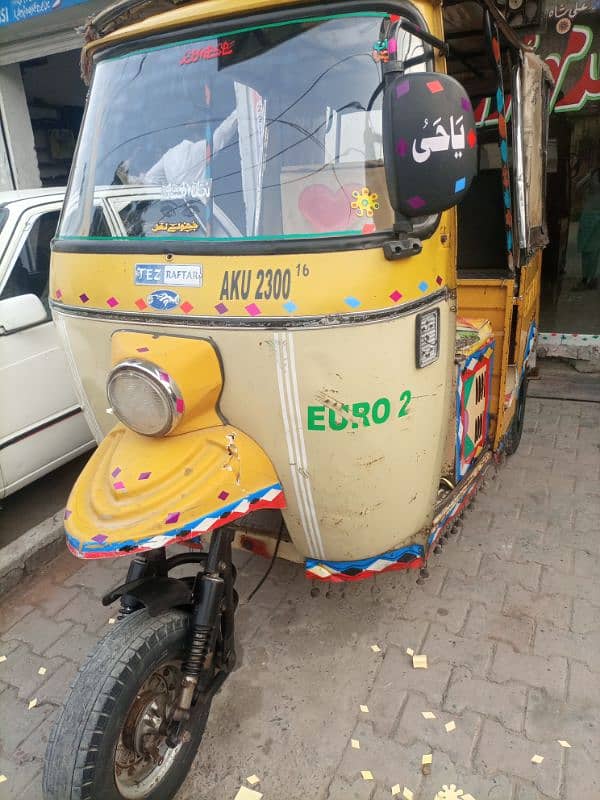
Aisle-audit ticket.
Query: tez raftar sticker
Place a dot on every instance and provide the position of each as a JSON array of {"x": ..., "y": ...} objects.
[{"x": 168, "y": 275}]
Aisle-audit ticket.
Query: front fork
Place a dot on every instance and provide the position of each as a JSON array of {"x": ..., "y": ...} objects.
[
  {"x": 213, "y": 601},
  {"x": 209, "y": 658}
]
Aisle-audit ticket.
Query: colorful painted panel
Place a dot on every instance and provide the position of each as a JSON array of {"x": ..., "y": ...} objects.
[
  {"x": 411, "y": 557},
  {"x": 473, "y": 393},
  {"x": 529, "y": 346},
  {"x": 99, "y": 545},
  {"x": 502, "y": 110},
  {"x": 450, "y": 513}
]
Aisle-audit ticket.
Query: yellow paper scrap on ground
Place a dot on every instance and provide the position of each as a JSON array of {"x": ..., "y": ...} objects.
[
  {"x": 395, "y": 789},
  {"x": 2, "y": 658},
  {"x": 247, "y": 794},
  {"x": 420, "y": 662},
  {"x": 364, "y": 709},
  {"x": 112, "y": 621},
  {"x": 428, "y": 715},
  {"x": 537, "y": 759},
  {"x": 32, "y": 703},
  {"x": 42, "y": 671},
  {"x": 563, "y": 743},
  {"x": 366, "y": 774},
  {"x": 410, "y": 651},
  {"x": 375, "y": 648},
  {"x": 355, "y": 744},
  {"x": 253, "y": 780},
  {"x": 3, "y": 778},
  {"x": 450, "y": 726},
  {"x": 407, "y": 794},
  {"x": 427, "y": 758},
  {"x": 450, "y": 792}
]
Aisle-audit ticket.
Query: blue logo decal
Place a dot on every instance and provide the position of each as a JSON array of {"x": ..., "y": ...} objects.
[{"x": 163, "y": 300}]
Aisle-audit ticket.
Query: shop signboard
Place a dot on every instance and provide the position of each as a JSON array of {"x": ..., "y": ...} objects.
[
  {"x": 12, "y": 11},
  {"x": 568, "y": 39}
]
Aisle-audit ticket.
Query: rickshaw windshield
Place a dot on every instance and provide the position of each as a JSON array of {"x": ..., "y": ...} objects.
[{"x": 261, "y": 133}]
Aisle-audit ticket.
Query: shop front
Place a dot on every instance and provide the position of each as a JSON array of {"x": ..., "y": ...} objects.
[
  {"x": 567, "y": 36},
  {"x": 41, "y": 92}
]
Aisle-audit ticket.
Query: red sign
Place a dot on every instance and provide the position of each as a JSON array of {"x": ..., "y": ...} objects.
[{"x": 224, "y": 48}]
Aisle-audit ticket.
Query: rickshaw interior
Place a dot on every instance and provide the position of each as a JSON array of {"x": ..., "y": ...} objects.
[
  {"x": 481, "y": 223},
  {"x": 493, "y": 271}
]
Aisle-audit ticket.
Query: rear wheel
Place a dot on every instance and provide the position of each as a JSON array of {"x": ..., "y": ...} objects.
[
  {"x": 109, "y": 742},
  {"x": 513, "y": 436}
]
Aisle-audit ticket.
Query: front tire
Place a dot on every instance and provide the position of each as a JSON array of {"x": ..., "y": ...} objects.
[{"x": 108, "y": 742}]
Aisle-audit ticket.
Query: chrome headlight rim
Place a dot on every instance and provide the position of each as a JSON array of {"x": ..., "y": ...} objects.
[{"x": 161, "y": 380}]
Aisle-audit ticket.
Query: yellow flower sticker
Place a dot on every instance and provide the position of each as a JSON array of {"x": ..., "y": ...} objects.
[{"x": 365, "y": 202}]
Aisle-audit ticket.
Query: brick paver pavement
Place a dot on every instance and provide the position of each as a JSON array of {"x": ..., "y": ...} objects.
[{"x": 509, "y": 619}]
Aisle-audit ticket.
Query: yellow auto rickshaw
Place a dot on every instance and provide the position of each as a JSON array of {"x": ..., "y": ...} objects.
[{"x": 297, "y": 277}]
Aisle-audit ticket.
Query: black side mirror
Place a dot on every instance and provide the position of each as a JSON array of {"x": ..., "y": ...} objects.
[{"x": 429, "y": 141}]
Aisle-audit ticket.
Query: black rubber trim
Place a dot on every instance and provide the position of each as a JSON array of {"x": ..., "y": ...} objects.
[
  {"x": 279, "y": 323},
  {"x": 42, "y": 426},
  {"x": 299, "y": 247}
]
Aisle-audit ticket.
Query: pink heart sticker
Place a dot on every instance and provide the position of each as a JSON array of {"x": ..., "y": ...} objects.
[{"x": 326, "y": 210}]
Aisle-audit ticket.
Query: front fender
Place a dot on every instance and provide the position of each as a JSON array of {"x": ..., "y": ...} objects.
[{"x": 138, "y": 493}]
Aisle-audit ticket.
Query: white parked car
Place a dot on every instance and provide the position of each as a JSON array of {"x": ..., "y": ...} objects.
[{"x": 41, "y": 422}]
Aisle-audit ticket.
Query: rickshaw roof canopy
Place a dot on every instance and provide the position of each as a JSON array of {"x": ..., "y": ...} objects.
[{"x": 132, "y": 19}]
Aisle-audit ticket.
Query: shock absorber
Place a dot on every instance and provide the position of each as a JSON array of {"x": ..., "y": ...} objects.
[
  {"x": 197, "y": 653},
  {"x": 202, "y": 640}
]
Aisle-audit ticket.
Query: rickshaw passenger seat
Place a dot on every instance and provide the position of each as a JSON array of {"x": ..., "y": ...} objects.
[{"x": 481, "y": 230}]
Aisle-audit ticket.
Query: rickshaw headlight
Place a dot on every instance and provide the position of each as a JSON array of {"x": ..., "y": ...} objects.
[
  {"x": 428, "y": 337},
  {"x": 144, "y": 397}
]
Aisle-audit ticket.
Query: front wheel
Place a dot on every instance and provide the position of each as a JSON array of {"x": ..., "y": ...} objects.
[{"x": 109, "y": 742}]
